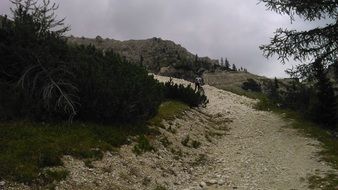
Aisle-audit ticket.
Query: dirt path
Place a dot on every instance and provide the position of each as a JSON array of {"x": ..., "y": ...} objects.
[
  {"x": 259, "y": 152},
  {"x": 227, "y": 145}
]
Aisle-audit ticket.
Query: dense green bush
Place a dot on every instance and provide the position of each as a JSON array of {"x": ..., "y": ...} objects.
[
  {"x": 252, "y": 85},
  {"x": 112, "y": 89},
  {"x": 44, "y": 78},
  {"x": 311, "y": 102},
  {"x": 184, "y": 94}
]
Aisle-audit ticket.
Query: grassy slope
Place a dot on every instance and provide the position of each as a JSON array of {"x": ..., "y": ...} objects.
[
  {"x": 27, "y": 148},
  {"x": 230, "y": 79},
  {"x": 168, "y": 111}
]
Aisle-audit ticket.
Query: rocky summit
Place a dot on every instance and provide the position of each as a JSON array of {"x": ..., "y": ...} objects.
[{"x": 159, "y": 56}]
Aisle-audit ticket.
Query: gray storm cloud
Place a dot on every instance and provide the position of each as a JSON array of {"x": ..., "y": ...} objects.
[{"x": 214, "y": 28}]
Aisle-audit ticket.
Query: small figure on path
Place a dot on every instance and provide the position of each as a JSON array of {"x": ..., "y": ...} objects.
[{"x": 198, "y": 83}]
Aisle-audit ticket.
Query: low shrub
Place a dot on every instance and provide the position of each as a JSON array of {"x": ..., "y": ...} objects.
[
  {"x": 168, "y": 110},
  {"x": 143, "y": 145},
  {"x": 55, "y": 175},
  {"x": 184, "y": 94},
  {"x": 252, "y": 85},
  {"x": 114, "y": 90},
  {"x": 43, "y": 78},
  {"x": 196, "y": 144}
]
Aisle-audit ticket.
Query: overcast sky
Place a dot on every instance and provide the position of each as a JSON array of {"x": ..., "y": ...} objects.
[{"x": 213, "y": 28}]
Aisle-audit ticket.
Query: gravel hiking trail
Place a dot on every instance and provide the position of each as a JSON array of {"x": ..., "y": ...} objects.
[
  {"x": 226, "y": 145},
  {"x": 260, "y": 151}
]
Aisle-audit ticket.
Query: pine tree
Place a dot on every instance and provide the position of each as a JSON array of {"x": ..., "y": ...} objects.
[
  {"x": 38, "y": 35},
  {"x": 335, "y": 67},
  {"x": 141, "y": 60},
  {"x": 227, "y": 64},
  {"x": 234, "y": 67},
  {"x": 326, "y": 107},
  {"x": 222, "y": 61},
  {"x": 273, "y": 86},
  {"x": 276, "y": 83},
  {"x": 319, "y": 42}
]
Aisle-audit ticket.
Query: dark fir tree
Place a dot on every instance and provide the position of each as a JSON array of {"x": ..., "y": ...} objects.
[
  {"x": 222, "y": 62},
  {"x": 319, "y": 42},
  {"x": 273, "y": 90},
  {"x": 227, "y": 64},
  {"x": 317, "y": 46},
  {"x": 43, "y": 78},
  {"x": 326, "y": 106},
  {"x": 178, "y": 57},
  {"x": 32, "y": 40},
  {"x": 141, "y": 60},
  {"x": 276, "y": 83},
  {"x": 252, "y": 85},
  {"x": 335, "y": 67},
  {"x": 234, "y": 68}
]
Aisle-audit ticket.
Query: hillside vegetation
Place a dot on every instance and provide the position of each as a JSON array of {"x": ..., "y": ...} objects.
[
  {"x": 44, "y": 78},
  {"x": 59, "y": 98}
]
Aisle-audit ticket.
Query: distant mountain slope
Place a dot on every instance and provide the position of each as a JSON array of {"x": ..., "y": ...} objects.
[
  {"x": 157, "y": 55},
  {"x": 226, "y": 79}
]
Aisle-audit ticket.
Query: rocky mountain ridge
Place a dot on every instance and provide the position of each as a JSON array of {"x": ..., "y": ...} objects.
[{"x": 159, "y": 56}]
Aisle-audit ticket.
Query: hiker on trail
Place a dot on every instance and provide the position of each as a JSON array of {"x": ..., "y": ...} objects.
[{"x": 198, "y": 83}]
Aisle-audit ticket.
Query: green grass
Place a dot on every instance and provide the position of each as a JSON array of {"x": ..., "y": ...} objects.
[
  {"x": 26, "y": 148},
  {"x": 168, "y": 110},
  {"x": 55, "y": 175},
  {"x": 328, "y": 182},
  {"x": 143, "y": 145},
  {"x": 239, "y": 91}
]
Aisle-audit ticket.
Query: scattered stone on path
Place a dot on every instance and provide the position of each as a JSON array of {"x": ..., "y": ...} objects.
[
  {"x": 203, "y": 184},
  {"x": 221, "y": 182},
  {"x": 211, "y": 182}
]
